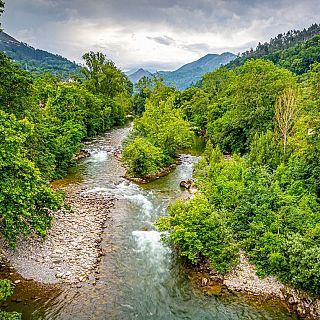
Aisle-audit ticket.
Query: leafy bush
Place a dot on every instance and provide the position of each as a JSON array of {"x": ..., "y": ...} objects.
[
  {"x": 143, "y": 158},
  {"x": 200, "y": 232},
  {"x": 6, "y": 289}
]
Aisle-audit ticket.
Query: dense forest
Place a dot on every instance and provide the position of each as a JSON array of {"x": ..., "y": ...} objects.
[
  {"x": 263, "y": 198},
  {"x": 295, "y": 50}
]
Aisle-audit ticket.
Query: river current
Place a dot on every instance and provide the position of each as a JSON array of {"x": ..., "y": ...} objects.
[{"x": 139, "y": 277}]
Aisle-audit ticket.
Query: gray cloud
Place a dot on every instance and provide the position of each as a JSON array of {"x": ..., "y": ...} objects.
[
  {"x": 165, "y": 40},
  {"x": 197, "y": 47},
  {"x": 164, "y": 33}
]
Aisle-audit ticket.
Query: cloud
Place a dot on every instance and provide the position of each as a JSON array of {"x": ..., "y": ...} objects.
[
  {"x": 165, "y": 40},
  {"x": 164, "y": 33}
]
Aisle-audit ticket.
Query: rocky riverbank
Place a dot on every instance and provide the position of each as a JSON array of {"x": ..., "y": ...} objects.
[
  {"x": 71, "y": 250},
  {"x": 243, "y": 278}
]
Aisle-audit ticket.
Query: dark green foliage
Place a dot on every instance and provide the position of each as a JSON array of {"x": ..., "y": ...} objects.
[
  {"x": 15, "y": 88},
  {"x": 26, "y": 199},
  {"x": 194, "y": 103},
  {"x": 265, "y": 151},
  {"x": 102, "y": 76},
  {"x": 283, "y": 47},
  {"x": 242, "y": 102},
  {"x": 144, "y": 89},
  {"x": 199, "y": 232},
  {"x": 295, "y": 51}
]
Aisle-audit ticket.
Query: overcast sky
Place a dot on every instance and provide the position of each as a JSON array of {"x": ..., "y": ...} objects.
[{"x": 160, "y": 34}]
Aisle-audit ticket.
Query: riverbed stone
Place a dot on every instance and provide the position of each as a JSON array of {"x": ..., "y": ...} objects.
[{"x": 72, "y": 247}]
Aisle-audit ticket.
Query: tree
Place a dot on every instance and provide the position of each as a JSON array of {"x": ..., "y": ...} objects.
[
  {"x": 26, "y": 200},
  {"x": 285, "y": 113},
  {"x": 144, "y": 89},
  {"x": 246, "y": 104},
  {"x": 165, "y": 126},
  {"x": 103, "y": 77},
  {"x": 143, "y": 158},
  {"x": 15, "y": 88}
]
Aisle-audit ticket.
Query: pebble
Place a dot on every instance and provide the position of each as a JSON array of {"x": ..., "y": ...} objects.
[{"x": 72, "y": 249}]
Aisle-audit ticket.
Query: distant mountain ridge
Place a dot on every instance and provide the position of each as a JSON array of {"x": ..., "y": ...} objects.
[
  {"x": 35, "y": 60},
  {"x": 189, "y": 73},
  {"x": 140, "y": 73},
  {"x": 192, "y": 72}
]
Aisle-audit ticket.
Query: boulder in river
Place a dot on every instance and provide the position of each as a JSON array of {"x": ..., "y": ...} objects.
[
  {"x": 186, "y": 184},
  {"x": 82, "y": 154}
]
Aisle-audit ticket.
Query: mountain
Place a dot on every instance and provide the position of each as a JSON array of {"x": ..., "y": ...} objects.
[
  {"x": 192, "y": 72},
  {"x": 189, "y": 73},
  {"x": 34, "y": 60},
  {"x": 137, "y": 75}
]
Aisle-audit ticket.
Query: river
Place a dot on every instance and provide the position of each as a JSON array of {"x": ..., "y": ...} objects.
[{"x": 139, "y": 277}]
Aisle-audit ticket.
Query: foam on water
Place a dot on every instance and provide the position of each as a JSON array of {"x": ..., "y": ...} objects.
[
  {"x": 148, "y": 242},
  {"x": 97, "y": 190},
  {"x": 97, "y": 156},
  {"x": 143, "y": 202}
]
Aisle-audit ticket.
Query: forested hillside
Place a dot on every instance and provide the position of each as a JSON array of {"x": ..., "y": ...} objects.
[
  {"x": 263, "y": 199},
  {"x": 37, "y": 61},
  {"x": 295, "y": 50}
]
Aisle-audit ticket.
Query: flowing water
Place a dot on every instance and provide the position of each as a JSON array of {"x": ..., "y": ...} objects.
[{"x": 139, "y": 277}]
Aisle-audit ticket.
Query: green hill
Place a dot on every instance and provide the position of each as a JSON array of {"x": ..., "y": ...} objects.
[
  {"x": 294, "y": 50},
  {"x": 34, "y": 60}
]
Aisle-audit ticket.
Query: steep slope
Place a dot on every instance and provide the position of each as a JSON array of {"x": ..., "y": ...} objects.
[
  {"x": 35, "y": 60},
  {"x": 190, "y": 73},
  {"x": 294, "y": 50}
]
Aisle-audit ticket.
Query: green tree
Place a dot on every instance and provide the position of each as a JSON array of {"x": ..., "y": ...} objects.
[
  {"x": 143, "y": 158},
  {"x": 144, "y": 89},
  {"x": 26, "y": 200},
  {"x": 102, "y": 76},
  {"x": 164, "y": 126},
  {"x": 199, "y": 232},
  {"x": 15, "y": 88},
  {"x": 248, "y": 105}
]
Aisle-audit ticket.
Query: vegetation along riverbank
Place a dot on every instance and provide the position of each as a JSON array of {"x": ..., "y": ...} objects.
[
  {"x": 263, "y": 200},
  {"x": 253, "y": 219}
]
